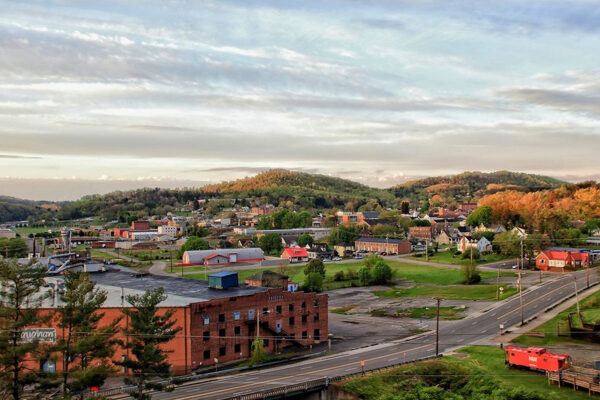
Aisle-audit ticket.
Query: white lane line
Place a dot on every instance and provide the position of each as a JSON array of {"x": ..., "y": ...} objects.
[
  {"x": 350, "y": 369},
  {"x": 304, "y": 368},
  {"x": 393, "y": 359}
]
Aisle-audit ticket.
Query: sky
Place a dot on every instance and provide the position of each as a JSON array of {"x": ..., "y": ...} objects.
[{"x": 105, "y": 95}]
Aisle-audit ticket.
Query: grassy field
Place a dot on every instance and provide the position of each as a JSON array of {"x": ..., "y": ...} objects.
[
  {"x": 590, "y": 308},
  {"x": 481, "y": 374},
  {"x": 447, "y": 257},
  {"x": 27, "y": 230},
  {"x": 446, "y": 313},
  {"x": 449, "y": 292}
]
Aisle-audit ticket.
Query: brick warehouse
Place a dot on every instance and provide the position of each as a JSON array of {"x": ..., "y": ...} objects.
[
  {"x": 389, "y": 246},
  {"x": 215, "y": 324}
]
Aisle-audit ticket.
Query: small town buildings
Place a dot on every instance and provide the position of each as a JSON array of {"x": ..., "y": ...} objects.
[
  {"x": 244, "y": 230},
  {"x": 421, "y": 232},
  {"x": 490, "y": 228},
  {"x": 7, "y": 233},
  {"x": 197, "y": 257},
  {"x": 559, "y": 261},
  {"x": 344, "y": 249},
  {"x": 319, "y": 250},
  {"x": 443, "y": 238},
  {"x": 389, "y": 246},
  {"x": 519, "y": 232},
  {"x": 316, "y": 233},
  {"x": 295, "y": 254},
  {"x": 169, "y": 230},
  {"x": 217, "y": 321},
  {"x": 483, "y": 245},
  {"x": 289, "y": 240}
]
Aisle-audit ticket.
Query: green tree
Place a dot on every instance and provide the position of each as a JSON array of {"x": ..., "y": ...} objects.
[
  {"x": 382, "y": 230},
  {"x": 84, "y": 346},
  {"x": 315, "y": 265},
  {"x": 405, "y": 207},
  {"x": 305, "y": 239},
  {"x": 146, "y": 331},
  {"x": 270, "y": 243},
  {"x": 313, "y": 282},
  {"x": 486, "y": 234},
  {"x": 534, "y": 243},
  {"x": 193, "y": 243},
  {"x": 13, "y": 248},
  {"x": 481, "y": 215},
  {"x": 591, "y": 226},
  {"x": 470, "y": 273},
  {"x": 19, "y": 299},
  {"x": 567, "y": 237},
  {"x": 259, "y": 355},
  {"x": 382, "y": 273},
  {"x": 371, "y": 261},
  {"x": 508, "y": 244},
  {"x": 344, "y": 234},
  {"x": 420, "y": 222},
  {"x": 364, "y": 275}
]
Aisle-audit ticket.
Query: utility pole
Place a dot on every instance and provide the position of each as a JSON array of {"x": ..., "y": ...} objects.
[
  {"x": 520, "y": 292},
  {"x": 171, "y": 259},
  {"x": 437, "y": 326},
  {"x": 587, "y": 270},
  {"x": 576, "y": 295},
  {"x": 426, "y": 250},
  {"x": 498, "y": 285}
]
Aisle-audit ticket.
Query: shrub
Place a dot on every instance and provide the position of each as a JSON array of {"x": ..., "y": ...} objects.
[
  {"x": 339, "y": 276},
  {"x": 315, "y": 265},
  {"x": 313, "y": 282}
]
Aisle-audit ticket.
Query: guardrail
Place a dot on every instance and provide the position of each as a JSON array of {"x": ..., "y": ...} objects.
[{"x": 316, "y": 384}]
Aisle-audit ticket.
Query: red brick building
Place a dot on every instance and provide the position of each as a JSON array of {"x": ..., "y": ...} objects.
[
  {"x": 421, "y": 232},
  {"x": 389, "y": 246},
  {"x": 558, "y": 261},
  {"x": 215, "y": 323}
]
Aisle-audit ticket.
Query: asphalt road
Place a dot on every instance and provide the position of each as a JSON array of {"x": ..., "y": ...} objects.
[{"x": 457, "y": 334}]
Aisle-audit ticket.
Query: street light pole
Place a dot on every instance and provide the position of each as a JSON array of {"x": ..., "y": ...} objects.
[
  {"x": 437, "y": 326},
  {"x": 576, "y": 295}
]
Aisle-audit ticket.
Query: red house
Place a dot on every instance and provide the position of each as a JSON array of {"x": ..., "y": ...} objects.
[
  {"x": 295, "y": 254},
  {"x": 558, "y": 261}
]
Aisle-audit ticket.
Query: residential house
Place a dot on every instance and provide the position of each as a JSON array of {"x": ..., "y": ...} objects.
[
  {"x": 559, "y": 261},
  {"x": 519, "y": 232},
  {"x": 295, "y": 254},
  {"x": 289, "y": 240},
  {"x": 442, "y": 238},
  {"x": 484, "y": 245},
  {"x": 490, "y": 228},
  {"x": 319, "y": 250},
  {"x": 344, "y": 249}
]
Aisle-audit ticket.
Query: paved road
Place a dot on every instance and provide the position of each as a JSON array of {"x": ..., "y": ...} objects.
[{"x": 457, "y": 334}]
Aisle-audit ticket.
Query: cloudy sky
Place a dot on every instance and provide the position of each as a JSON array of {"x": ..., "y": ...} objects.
[{"x": 172, "y": 93}]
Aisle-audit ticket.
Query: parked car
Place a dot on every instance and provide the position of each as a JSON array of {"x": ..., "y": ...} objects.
[
  {"x": 326, "y": 260},
  {"x": 359, "y": 257},
  {"x": 336, "y": 259}
]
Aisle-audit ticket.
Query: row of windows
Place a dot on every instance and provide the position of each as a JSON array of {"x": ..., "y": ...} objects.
[
  {"x": 237, "y": 348},
  {"x": 237, "y": 315},
  {"x": 237, "y": 330}
]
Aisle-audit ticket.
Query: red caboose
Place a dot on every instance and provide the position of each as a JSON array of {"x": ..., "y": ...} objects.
[{"x": 536, "y": 358}]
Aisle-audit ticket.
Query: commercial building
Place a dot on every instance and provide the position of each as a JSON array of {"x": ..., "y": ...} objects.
[
  {"x": 197, "y": 257},
  {"x": 421, "y": 232},
  {"x": 389, "y": 246},
  {"x": 218, "y": 324},
  {"x": 295, "y": 254},
  {"x": 559, "y": 261}
]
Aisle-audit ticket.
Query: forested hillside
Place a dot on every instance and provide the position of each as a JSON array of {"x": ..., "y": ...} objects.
[
  {"x": 474, "y": 184},
  {"x": 12, "y": 209}
]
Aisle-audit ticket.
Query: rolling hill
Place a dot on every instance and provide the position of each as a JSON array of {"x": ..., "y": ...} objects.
[
  {"x": 283, "y": 187},
  {"x": 475, "y": 184}
]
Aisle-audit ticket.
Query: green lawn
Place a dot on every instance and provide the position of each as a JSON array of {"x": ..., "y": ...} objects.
[
  {"x": 25, "y": 231},
  {"x": 446, "y": 313},
  {"x": 590, "y": 308},
  {"x": 481, "y": 375},
  {"x": 447, "y": 257},
  {"x": 449, "y": 292}
]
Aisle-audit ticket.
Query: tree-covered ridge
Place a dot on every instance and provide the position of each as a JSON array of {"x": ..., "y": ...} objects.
[
  {"x": 476, "y": 184},
  {"x": 13, "y": 209}
]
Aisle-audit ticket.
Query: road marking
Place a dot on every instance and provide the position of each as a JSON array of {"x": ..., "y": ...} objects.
[
  {"x": 393, "y": 359},
  {"x": 350, "y": 369},
  {"x": 303, "y": 368},
  {"x": 201, "y": 394}
]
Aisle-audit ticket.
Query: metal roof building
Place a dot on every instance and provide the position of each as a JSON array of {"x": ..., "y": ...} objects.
[{"x": 197, "y": 257}]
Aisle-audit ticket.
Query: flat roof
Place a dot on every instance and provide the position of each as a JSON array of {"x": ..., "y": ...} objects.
[
  {"x": 191, "y": 289},
  {"x": 223, "y": 273}
]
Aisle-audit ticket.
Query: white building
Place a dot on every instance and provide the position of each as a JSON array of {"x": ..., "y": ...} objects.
[{"x": 167, "y": 230}]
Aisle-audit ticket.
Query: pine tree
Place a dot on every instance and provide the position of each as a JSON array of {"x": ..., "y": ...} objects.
[
  {"x": 85, "y": 347},
  {"x": 20, "y": 296},
  {"x": 146, "y": 331}
]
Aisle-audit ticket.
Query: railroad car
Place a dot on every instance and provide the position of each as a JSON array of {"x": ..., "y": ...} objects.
[{"x": 536, "y": 358}]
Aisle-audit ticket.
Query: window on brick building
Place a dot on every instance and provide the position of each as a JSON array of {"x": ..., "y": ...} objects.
[
  {"x": 237, "y": 331},
  {"x": 292, "y": 321},
  {"x": 304, "y": 335},
  {"x": 222, "y": 351},
  {"x": 206, "y": 320},
  {"x": 237, "y": 348},
  {"x": 206, "y": 335},
  {"x": 290, "y": 307},
  {"x": 317, "y": 334},
  {"x": 265, "y": 311},
  {"x": 304, "y": 319},
  {"x": 265, "y": 342},
  {"x": 221, "y": 332},
  {"x": 206, "y": 354},
  {"x": 303, "y": 304},
  {"x": 278, "y": 309},
  {"x": 316, "y": 316},
  {"x": 316, "y": 303},
  {"x": 237, "y": 315},
  {"x": 221, "y": 317}
]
